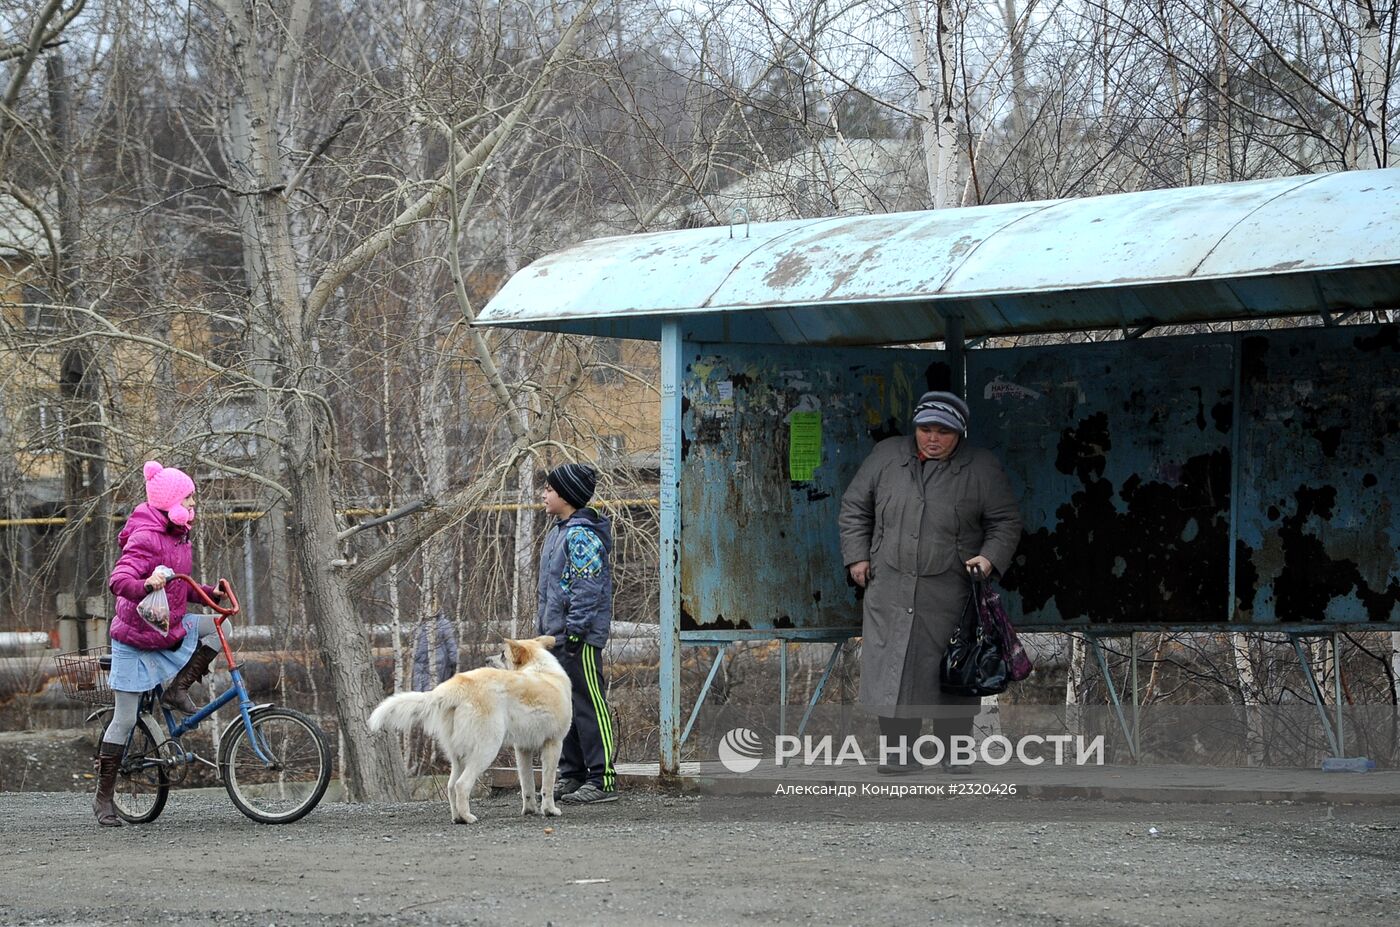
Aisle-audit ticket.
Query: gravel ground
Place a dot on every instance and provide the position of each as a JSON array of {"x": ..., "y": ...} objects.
[{"x": 665, "y": 858}]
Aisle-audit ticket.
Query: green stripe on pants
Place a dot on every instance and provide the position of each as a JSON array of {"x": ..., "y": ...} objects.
[{"x": 592, "y": 676}]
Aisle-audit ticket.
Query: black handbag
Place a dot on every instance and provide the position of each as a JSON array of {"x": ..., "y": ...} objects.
[{"x": 975, "y": 663}]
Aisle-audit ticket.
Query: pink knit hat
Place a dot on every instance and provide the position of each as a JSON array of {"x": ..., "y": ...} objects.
[{"x": 166, "y": 489}]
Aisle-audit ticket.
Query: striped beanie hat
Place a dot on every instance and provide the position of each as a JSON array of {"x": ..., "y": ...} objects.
[
  {"x": 939, "y": 408},
  {"x": 574, "y": 482}
]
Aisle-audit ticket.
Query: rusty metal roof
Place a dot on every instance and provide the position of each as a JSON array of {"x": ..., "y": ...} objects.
[{"x": 1283, "y": 247}]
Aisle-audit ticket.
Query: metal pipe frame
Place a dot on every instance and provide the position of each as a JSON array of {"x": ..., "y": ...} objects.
[
  {"x": 691, "y": 639},
  {"x": 955, "y": 350},
  {"x": 1129, "y": 732},
  {"x": 817, "y": 693},
  {"x": 705, "y": 689},
  {"x": 1332, "y": 736},
  {"x": 782, "y": 686}
]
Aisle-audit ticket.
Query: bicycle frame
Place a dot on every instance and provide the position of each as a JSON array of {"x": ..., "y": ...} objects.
[{"x": 239, "y": 691}]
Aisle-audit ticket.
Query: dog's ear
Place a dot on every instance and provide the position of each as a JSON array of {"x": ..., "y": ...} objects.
[
  {"x": 517, "y": 654},
  {"x": 546, "y": 641}
]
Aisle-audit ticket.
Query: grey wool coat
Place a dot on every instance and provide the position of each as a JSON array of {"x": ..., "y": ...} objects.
[{"x": 918, "y": 522}]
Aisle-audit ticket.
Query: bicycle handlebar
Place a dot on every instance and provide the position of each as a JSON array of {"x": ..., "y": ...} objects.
[{"x": 222, "y": 586}]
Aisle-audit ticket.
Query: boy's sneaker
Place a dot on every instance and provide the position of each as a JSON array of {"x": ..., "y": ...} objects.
[
  {"x": 589, "y": 793},
  {"x": 898, "y": 769},
  {"x": 566, "y": 787}
]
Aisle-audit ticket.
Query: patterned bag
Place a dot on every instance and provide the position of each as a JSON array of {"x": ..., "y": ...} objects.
[
  {"x": 994, "y": 619},
  {"x": 985, "y": 655}
]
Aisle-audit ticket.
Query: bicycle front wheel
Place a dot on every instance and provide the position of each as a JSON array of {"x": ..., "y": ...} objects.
[
  {"x": 143, "y": 782},
  {"x": 290, "y": 776}
]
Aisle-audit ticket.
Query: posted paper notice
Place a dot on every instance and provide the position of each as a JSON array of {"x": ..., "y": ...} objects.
[{"x": 804, "y": 445}]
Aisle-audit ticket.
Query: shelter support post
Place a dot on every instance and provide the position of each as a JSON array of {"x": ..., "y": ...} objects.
[
  {"x": 1129, "y": 731},
  {"x": 1137, "y": 693},
  {"x": 955, "y": 342},
  {"x": 782, "y": 687},
  {"x": 669, "y": 611},
  {"x": 1333, "y": 736},
  {"x": 821, "y": 686},
  {"x": 721, "y": 647}
]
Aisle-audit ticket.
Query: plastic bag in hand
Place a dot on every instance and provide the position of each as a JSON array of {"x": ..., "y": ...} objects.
[{"x": 155, "y": 607}]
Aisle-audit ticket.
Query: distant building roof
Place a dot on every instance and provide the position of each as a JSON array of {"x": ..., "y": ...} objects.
[
  {"x": 1282, "y": 247},
  {"x": 21, "y": 233},
  {"x": 835, "y": 177}
]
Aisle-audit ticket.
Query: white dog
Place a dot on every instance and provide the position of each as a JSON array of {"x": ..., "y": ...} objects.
[{"x": 528, "y": 706}]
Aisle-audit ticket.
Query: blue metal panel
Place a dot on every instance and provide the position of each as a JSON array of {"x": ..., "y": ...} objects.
[
  {"x": 760, "y": 549},
  {"x": 1319, "y": 537},
  {"x": 1126, "y": 456},
  {"x": 1141, "y": 500},
  {"x": 1290, "y": 246},
  {"x": 1120, "y": 453}
]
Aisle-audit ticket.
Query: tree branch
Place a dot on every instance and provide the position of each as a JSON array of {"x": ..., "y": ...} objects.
[
  {"x": 438, "y": 517},
  {"x": 342, "y": 268}
]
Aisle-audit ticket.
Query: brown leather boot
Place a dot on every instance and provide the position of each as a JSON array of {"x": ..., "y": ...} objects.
[
  {"x": 109, "y": 757},
  {"x": 177, "y": 695}
]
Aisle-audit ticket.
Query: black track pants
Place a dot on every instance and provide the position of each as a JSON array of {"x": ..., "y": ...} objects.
[{"x": 590, "y": 748}]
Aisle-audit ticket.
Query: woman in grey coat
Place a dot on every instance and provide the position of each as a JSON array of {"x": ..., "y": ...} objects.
[{"x": 922, "y": 512}]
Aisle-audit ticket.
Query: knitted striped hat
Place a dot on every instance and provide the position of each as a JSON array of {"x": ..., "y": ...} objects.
[
  {"x": 574, "y": 482},
  {"x": 938, "y": 408}
]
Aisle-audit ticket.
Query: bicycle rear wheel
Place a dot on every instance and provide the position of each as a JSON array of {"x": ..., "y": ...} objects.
[
  {"x": 143, "y": 782},
  {"x": 292, "y": 783}
]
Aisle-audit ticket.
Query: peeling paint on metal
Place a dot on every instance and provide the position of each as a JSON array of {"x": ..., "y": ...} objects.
[
  {"x": 1286, "y": 246},
  {"x": 1127, "y": 489},
  {"x": 760, "y": 550},
  {"x": 1124, "y": 480},
  {"x": 1319, "y": 526}
]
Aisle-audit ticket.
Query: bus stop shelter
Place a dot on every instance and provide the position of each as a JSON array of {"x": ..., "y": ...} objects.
[{"x": 1240, "y": 478}]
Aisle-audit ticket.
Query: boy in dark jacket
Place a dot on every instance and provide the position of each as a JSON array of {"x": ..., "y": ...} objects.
[{"x": 575, "y": 606}]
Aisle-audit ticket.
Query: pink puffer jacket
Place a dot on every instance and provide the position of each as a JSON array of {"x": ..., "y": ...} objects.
[{"x": 149, "y": 540}]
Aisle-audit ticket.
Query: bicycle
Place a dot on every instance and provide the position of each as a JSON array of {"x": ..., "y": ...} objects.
[{"x": 274, "y": 762}]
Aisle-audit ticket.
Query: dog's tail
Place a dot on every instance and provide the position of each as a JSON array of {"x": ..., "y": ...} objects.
[{"x": 401, "y": 712}]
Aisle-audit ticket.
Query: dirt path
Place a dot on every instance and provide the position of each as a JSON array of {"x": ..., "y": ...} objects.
[{"x": 666, "y": 859}]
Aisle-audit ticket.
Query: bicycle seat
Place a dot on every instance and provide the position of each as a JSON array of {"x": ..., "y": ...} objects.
[{"x": 105, "y": 661}]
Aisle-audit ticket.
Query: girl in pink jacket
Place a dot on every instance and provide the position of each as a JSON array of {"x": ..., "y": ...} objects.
[{"x": 176, "y": 654}]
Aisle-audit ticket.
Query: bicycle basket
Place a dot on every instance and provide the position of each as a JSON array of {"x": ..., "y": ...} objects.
[{"x": 83, "y": 676}]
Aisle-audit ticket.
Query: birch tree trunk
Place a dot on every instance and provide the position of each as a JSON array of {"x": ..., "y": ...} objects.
[
  {"x": 523, "y": 579},
  {"x": 1019, "y": 162},
  {"x": 1074, "y": 683},
  {"x": 1249, "y": 699},
  {"x": 275, "y": 603},
  {"x": 934, "y": 98},
  {"x": 432, "y": 406},
  {"x": 1223, "y": 169},
  {"x": 1372, "y": 77}
]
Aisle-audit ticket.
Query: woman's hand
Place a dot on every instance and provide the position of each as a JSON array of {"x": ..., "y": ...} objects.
[
  {"x": 860, "y": 572},
  {"x": 155, "y": 581},
  {"x": 980, "y": 566}
]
